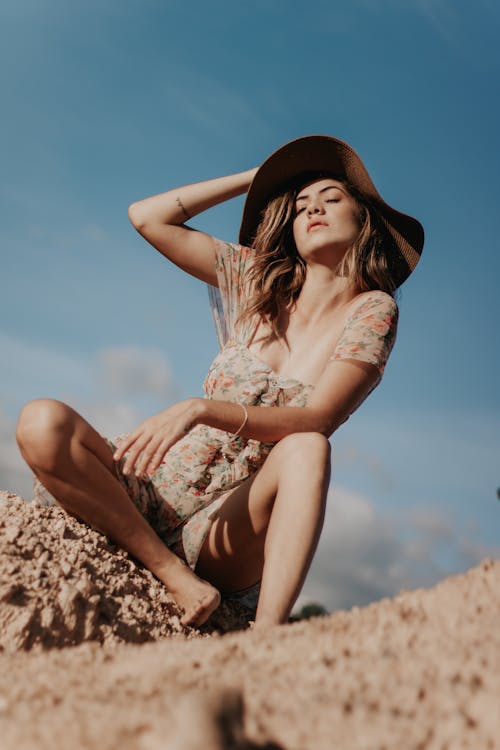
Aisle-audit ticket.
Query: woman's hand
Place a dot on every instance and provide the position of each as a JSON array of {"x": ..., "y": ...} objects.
[{"x": 147, "y": 445}]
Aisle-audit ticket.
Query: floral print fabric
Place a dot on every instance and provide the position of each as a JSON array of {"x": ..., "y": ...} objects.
[
  {"x": 369, "y": 331},
  {"x": 182, "y": 498}
]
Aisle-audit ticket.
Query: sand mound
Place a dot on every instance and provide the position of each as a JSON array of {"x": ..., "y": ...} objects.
[
  {"x": 62, "y": 583},
  {"x": 418, "y": 672}
]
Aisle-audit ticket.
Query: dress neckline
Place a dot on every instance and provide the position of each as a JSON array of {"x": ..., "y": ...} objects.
[
  {"x": 253, "y": 330},
  {"x": 277, "y": 376},
  {"x": 261, "y": 361}
]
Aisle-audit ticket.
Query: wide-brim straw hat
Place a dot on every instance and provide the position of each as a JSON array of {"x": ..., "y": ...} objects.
[{"x": 323, "y": 154}]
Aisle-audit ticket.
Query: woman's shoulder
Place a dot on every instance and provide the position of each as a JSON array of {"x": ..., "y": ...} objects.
[
  {"x": 232, "y": 263},
  {"x": 373, "y": 301},
  {"x": 224, "y": 248},
  {"x": 370, "y": 329}
]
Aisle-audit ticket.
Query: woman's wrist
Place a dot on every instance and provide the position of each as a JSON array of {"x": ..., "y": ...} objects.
[
  {"x": 223, "y": 415},
  {"x": 250, "y": 174},
  {"x": 198, "y": 411}
]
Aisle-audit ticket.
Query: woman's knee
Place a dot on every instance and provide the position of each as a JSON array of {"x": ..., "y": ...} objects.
[
  {"x": 305, "y": 447},
  {"x": 43, "y": 426}
]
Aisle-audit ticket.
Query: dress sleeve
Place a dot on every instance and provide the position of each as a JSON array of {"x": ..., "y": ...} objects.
[
  {"x": 231, "y": 265},
  {"x": 370, "y": 331}
]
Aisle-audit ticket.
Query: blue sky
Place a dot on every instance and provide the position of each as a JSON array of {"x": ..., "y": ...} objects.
[{"x": 107, "y": 102}]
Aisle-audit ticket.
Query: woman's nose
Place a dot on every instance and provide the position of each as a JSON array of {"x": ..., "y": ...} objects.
[{"x": 313, "y": 208}]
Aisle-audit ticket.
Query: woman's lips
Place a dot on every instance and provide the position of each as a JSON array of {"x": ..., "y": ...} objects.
[{"x": 316, "y": 224}]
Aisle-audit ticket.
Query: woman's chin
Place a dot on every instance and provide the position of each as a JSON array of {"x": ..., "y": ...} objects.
[{"x": 324, "y": 253}]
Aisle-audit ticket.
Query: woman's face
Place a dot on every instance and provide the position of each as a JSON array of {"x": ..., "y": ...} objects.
[{"x": 326, "y": 220}]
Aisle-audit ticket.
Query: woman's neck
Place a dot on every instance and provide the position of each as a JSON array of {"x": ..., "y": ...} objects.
[{"x": 323, "y": 291}]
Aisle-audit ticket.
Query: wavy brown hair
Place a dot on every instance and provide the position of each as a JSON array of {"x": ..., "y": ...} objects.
[{"x": 278, "y": 271}]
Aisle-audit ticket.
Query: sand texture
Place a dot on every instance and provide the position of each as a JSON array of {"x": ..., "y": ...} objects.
[
  {"x": 62, "y": 583},
  {"x": 93, "y": 656}
]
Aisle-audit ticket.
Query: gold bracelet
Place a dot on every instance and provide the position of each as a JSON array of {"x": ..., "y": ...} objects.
[{"x": 244, "y": 420}]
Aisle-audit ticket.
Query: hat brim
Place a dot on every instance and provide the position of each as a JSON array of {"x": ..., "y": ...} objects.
[{"x": 326, "y": 154}]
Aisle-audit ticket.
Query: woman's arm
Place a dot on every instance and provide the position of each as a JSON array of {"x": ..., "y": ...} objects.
[
  {"x": 160, "y": 220},
  {"x": 341, "y": 388}
]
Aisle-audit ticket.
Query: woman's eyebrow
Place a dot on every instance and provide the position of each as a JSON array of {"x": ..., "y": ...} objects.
[{"x": 304, "y": 196}]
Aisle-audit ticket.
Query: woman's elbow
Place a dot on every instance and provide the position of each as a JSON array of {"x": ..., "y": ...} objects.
[
  {"x": 136, "y": 216},
  {"x": 313, "y": 421},
  {"x": 326, "y": 424},
  {"x": 326, "y": 429}
]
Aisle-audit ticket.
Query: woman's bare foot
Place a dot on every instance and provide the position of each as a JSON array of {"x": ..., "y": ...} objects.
[{"x": 196, "y": 597}]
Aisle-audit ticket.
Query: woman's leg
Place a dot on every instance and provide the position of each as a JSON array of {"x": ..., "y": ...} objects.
[
  {"x": 76, "y": 465},
  {"x": 270, "y": 526}
]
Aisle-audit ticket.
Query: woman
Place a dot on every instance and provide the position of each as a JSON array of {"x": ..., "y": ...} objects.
[{"x": 220, "y": 494}]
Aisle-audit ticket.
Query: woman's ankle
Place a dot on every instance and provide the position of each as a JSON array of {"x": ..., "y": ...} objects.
[
  {"x": 169, "y": 569},
  {"x": 267, "y": 621}
]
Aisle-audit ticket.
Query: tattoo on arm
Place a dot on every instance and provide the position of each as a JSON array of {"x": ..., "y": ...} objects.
[{"x": 181, "y": 206}]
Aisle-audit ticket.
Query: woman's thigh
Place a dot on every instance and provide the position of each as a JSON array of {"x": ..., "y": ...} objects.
[{"x": 232, "y": 555}]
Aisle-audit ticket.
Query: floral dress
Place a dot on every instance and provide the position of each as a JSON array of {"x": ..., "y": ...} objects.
[{"x": 183, "y": 497}]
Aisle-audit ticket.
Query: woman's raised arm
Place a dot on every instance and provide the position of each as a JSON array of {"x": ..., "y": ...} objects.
[{"x": 160, "y": 220}]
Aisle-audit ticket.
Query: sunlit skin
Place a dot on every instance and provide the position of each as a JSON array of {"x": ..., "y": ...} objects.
[
  {"x": 264, "y": 529},
  {"x": 326, "y": 222}
]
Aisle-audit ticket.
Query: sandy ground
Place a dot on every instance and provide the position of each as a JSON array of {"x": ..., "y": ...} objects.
[{"x": 92, "y": 655}]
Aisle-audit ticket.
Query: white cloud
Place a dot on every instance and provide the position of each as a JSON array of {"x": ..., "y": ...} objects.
[
  {"x": 30, "y": 369},
  {"x": 365, "y": 554},
  {"x": 133, "y": 371},
  {"x": 110, "y": 419},
  {"x": 349, "y": 456},
  {"x": 115, "y": 389},
  {"x": 33, "y": 370},
  {"x": 14, "y": 474},
  {"x": 429, "y": 457}
]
